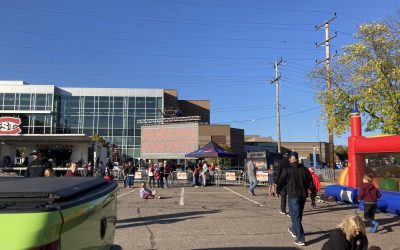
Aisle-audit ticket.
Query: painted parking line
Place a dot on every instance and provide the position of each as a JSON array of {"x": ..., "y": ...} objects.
[
  {"x": 244, "y": 197},
  {"x": 133, "y": 190},
  {"x": 181, "y": 202}
]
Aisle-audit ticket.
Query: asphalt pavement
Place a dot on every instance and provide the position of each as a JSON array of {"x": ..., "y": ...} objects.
[{"x": 228, "y": 217}]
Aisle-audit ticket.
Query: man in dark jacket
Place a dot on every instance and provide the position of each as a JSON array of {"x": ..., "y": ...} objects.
[
  {"x": 297, "y": 181},
  {"x": 282, "y": 169},
  {"x": 36, "y": 167}
]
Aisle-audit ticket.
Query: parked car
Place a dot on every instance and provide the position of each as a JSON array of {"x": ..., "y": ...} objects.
[{"x": 57, "y": 213}]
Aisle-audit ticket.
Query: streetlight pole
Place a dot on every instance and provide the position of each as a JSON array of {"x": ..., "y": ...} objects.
[{"x": 315, "y": 157}]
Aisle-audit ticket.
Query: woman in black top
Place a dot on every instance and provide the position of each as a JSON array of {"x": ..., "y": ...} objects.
[{"x": 349, "y": 235}]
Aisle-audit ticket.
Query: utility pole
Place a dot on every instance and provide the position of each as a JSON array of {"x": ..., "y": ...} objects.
[
  {"x": 278, "y": 113},
  {"x": 320, "y": 146},
  {"x": 328, "y": 87}
]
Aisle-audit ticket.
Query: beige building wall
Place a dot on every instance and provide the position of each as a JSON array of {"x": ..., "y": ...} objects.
[
  {"x": 306, "y": 148},
  {"x": 223, "y": 134},
  {"x": 196, "y": 108}
]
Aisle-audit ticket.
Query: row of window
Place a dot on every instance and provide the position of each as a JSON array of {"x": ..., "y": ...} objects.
[
  {"x": 20, "y": 101},
  {"x": 109, "y": 102},
  {"x": 114, "y": 118}
]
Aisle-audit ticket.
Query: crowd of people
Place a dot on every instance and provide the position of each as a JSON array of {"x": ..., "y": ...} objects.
[
  {"x": 157, "y": 172},
  {"x": 294, "y": 183},
  {"x": 40, "y": 166},
  {"x": 290, "y": 180}
]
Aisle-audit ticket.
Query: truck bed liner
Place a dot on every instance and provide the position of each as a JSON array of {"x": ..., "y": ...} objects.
[{"x": 49, "y": 193}]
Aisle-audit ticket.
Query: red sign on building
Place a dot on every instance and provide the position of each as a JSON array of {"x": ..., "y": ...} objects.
[{"x": 9, "y": 125}]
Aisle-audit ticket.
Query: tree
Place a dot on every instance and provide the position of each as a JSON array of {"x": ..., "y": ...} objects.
[
  {"x": 104, "y": 142},
  {"x": 223, "y": 161},
  {"x": 341, "y": 152},
  {"x": 367, "y": 72}
]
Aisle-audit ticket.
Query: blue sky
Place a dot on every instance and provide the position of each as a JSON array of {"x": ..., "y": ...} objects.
[{"x": 222, "y": 51}]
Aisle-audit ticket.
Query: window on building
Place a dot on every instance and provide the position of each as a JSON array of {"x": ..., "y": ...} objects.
[
  {"x": 9, "y": 101},
  {"x": 40, "y": 103},
  {"x": 25, "y": 102}
]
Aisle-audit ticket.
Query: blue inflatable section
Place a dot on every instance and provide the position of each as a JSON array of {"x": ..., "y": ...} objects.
[{"x": 388, "y": 203}]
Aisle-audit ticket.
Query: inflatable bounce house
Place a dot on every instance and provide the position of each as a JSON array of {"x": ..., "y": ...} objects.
[{"x": 386, "y": 178}]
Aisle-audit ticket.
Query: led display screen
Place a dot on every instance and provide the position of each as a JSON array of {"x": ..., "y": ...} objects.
[{"x": 170, "y": 141}]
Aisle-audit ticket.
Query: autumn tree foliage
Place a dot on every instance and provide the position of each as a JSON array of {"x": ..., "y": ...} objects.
[{"x": 368, "y": 72}]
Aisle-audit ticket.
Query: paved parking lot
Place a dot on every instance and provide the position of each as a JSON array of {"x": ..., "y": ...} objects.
[{"x": 228, "y": 218}]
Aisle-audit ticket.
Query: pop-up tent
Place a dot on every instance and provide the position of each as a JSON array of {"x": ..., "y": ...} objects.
[{"x": 211, "y": 150}]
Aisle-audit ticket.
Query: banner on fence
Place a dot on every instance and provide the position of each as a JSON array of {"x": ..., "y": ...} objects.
[
  {"x": 262, "y": 176},
  {"x": 138, "y": 175},
  {"x": 181, "y": 176},
  {"x": 230, "y": 176}
]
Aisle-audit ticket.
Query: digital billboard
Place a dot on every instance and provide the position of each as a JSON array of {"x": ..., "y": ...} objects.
[{"x": 170, "y": 141}]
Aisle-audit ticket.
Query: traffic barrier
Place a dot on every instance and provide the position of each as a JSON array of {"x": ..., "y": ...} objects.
[
  {"x": 229, "y": 177},
  {"x": 178, "y": 178},
  {"x": 328, "y": 174},
  {"x": 262, "y": 178}
]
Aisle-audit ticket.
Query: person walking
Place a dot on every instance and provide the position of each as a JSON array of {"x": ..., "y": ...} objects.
[
  {"x": 281, "y": 170},
  {"x": 251, "y": 175},
  {"x": 151, "y": 175},
  {"x": 130, "y": 174},
  {"x": 204, "y": 173},
  {"x": 160, "y": 175},
  {"x": 196, "y": 175},
  {"x": 297, "y": 181},
  {"x": 271, "y": 181},
  {"x": 370, "y": 195},
  {"x": 317, "y": 185},
  {"x": 167, "y": 172}
]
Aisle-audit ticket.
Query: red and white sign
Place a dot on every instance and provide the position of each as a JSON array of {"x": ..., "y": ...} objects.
[
  {"x": 9, "y": 125},
  {"x": 230, "y": 176},
  {"x": 138, "y": 175},
  {"x": 262, "y": 176},
  {"x": 181, "y": 175}
]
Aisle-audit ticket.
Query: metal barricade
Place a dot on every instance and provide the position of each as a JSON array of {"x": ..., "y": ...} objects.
[
  {"x": 229, "y": 177},
  {"x": 117, "y": 173},
  {"x": 141, "y": 175},
  {"x": 181, "y": 178},
  {"x": 262, "y": 178},
  {"x": 328, "y": 174}
]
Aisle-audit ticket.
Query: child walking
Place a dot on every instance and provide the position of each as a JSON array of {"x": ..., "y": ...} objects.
[
  {"x": 370, "y": 195},
  {"x": 271, "y": 181}
]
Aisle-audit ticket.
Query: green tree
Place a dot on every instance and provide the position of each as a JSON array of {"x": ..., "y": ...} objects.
[
  {"x": 104, "y": 142},
  {"x": 367, "y": 72},
  {"x": 341, "y": 152},
  {"x": 226, "y": 161}
]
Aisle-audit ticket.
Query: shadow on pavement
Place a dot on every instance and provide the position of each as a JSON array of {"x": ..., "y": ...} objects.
[
  {"x": 162, "y": 219},
  {"x": 250, "y": 248},
  {"x": 386, "y": 224},
  {"x": 328, "y": 209},
  {"x": 325, "y": 235}
]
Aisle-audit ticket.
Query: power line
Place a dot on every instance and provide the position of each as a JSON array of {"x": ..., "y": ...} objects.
[
  {"x": 266, "y": 117},
  {"x": 142, "y": 54},
  {"x": 147, "y": 18},
  {"x": 244, "y": 7},
  {"x": 160, "y": 34},
  {"x": 157, "y": 42}
]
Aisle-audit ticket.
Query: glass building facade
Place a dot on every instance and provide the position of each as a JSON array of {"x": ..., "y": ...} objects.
[{"x": 112, "y": 113}]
